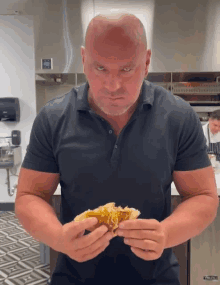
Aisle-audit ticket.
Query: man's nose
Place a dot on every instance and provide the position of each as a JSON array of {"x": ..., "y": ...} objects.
[{"x": 112, "y": 83}]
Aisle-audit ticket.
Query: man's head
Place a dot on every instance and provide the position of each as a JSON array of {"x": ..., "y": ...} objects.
[
  {"x": 214, "y": 122},
  {"x": 115, "y": 60}
]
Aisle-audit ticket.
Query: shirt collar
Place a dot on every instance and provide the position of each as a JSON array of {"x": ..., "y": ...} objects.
[{"x": 146, "y": 97}]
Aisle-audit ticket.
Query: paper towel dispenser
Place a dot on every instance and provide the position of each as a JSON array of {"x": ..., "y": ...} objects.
[{"x": 9, "y": 109}]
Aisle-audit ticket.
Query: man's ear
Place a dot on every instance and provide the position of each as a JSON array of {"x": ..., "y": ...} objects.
[
  {"x": 83, "y": 54},
  {"x": 148, "y": 58}
]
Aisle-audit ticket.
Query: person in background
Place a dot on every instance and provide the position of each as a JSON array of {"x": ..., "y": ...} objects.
[
  {"x": 117, "y": 138},
  {"x": 212, "y": 134}
]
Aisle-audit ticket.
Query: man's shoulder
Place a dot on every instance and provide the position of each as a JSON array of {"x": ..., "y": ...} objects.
[
  {"x": 58, "y": 107},
  {"x": 62, "y": 101}
]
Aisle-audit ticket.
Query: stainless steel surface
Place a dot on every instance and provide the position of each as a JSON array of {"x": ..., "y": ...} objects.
[
  {"x": 205, "y": 255},
  {"x": 65, "y": 78},
  {"x": 208, "y": 109},
  {"x": 44, "y": 254},
  {"x": 201, "y": 88},
  {"x": 180, "y": 44},
  {"x": 10, "y": 156},
  {"x": 203, "y": 96}
]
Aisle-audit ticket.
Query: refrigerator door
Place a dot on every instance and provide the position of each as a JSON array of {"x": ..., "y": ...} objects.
[{"x": 205, "y": 255}]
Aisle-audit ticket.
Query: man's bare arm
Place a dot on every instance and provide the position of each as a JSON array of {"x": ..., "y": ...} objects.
[
  {"x": 32, "y": 206},
  {"x": 198, "y": 209},
  {"x": 39, "y": 219}
]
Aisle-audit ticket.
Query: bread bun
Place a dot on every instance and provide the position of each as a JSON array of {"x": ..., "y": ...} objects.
[{"x": 109, "y": 215}]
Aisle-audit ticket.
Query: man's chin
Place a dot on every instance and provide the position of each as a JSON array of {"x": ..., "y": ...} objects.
[{"x": 114, "y": 113}]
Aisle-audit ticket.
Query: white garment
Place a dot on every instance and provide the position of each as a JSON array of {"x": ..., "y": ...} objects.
[{"x": 213, "y": 138}]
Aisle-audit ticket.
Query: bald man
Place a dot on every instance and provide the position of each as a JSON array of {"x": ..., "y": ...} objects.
[{"x": 117, "y": 138}]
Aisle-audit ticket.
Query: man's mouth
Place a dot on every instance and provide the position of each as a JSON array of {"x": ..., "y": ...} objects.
[{"x": 115, "y": 98}]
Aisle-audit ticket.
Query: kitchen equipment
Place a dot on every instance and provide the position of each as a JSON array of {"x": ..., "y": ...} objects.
[
  {"x": 10, "y": 156},
  {"x": 9, "y": 109},
  {"x": 204, "y": 254},
  {"x": 212, "y": 158}
]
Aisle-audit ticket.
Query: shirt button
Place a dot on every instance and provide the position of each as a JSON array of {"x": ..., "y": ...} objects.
[
  {"x": 110, "y": 132},
  {"x": 116, "y": 146}
]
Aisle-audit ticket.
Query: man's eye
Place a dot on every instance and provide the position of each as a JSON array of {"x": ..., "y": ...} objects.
[
  {"x": 126, "y": 69},
  {"x": 100, "y": 67}
]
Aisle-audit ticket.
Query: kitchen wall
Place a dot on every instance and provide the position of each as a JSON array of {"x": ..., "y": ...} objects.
[
  {"x": 183, "y": 36},
  {"x": 17, "y": 70}
]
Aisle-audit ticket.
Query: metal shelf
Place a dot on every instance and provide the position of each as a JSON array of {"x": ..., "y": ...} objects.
[
  {"x": 191, "y": 88},
  {"x": 204, "y": 103}
]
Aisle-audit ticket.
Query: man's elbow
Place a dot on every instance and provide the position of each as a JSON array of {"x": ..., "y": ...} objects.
[{"x": 214, "y": 203}]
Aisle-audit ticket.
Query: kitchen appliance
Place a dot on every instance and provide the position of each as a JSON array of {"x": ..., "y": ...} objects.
[
  {"x": 200, "y": 89},
  {"x": 204, "y": 255},
  {"x": 213, "y": 160},
  {"x": 10, "y": 156},
  {"x": 9, "y": 109}
]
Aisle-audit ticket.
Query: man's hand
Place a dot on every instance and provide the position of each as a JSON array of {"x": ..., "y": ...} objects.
[
  {"x": 80, "y": 247},
  {"x": 146, "y": 237}
]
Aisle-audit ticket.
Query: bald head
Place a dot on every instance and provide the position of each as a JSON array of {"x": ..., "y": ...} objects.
[{"x": 120, "y": 29}]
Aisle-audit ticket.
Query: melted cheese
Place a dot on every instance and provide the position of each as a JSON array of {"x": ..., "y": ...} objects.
[{"x": 109, "y": 215}]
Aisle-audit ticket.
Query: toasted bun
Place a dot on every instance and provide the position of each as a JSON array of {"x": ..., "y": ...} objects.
[{"x": 109, "y": 215}]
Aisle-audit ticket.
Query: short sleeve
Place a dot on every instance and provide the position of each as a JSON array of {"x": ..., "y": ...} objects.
[
  {"x": 39, "y": 155},
  {"x": 192, "y": 150}
]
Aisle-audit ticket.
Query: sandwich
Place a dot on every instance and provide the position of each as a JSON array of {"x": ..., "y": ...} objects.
[{"x": 109, "y": 215}]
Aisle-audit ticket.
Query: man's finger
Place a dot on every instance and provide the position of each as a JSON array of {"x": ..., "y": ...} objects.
[
  {"x": 81, "y": 226},
  {"x": 139, "y": 224},
  {"x": 80, "y": 234}
]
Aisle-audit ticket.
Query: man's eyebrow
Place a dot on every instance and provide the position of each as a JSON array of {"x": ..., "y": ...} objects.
[{"x": 131, "y": 63}]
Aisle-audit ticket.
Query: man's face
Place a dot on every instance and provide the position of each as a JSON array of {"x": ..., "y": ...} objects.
[
  {"x": 115, "y": 69},
  {"x": 214, "y": 125}
]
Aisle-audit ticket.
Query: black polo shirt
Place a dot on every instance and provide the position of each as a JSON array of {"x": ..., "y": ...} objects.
[{"x": 135, "y": 170}]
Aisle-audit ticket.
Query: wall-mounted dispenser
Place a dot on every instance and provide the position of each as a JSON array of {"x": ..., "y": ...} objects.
[{"x": 9, "y": 109}]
